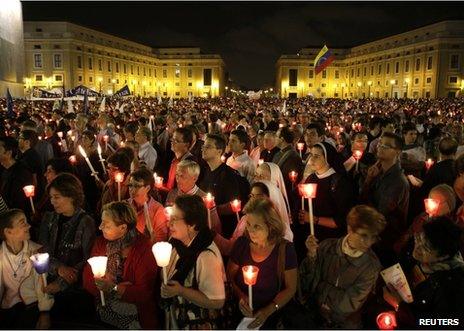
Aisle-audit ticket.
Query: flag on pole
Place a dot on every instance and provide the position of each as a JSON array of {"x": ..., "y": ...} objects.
[
  {"x": 284, "y": 107},
  {"x": 102, "y": 105},
  {"x": 323, "y": 59},
  {"x": 122, "y": 92},
  {"x": 9, "y": 104},
  {"x": 86, "y": 103}
]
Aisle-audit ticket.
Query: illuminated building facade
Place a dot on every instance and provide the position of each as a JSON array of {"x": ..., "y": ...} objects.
[
  {"x": 422, "y": 63},
  {"x": 60, "y": 53}
]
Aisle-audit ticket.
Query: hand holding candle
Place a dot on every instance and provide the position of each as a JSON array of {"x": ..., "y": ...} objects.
[
  {"x": 29, "y": 191},
  {"x": 293, "y": 175},
  {"x": 119, "y": 178},
  {"x": 209, "y": 202},
  {"x": 308, "y": 191},
  {"x": 357, "y": 154},
  {"x": 236, "y": 206},
  {"x": 250, "y": 275},
  {"x": 84, "y": 154},
  {"x": 300, "y": 147},
  {"x": 162, "y": 252},
  {"x": 73, "y": 160},
  {"x": 98, "y": 265},
  {"x": 41, "y": 265}
]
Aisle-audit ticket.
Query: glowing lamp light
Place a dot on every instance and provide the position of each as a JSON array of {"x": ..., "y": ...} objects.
[
  {"x": 300, "y": 146},
  {"x": 281, "y": 125},
  {"x": 60, "y": 134},
  {"x": 29, "y": 191},
  {"x": 308, "y": 191},
  {"x": 293, "y": 175},
  {"x": 162, "y": 252},
  {"x": 69, "y": 133},
  {"x": 386, "y": 320},
  {"x": 250, "y": 275},
  {"x": 431, "y": 206},
  {"x": 106, "y": 138},
  {"x": 73, "y": 159},
  {"x": 119, "y": 177},
  {"x": 98, "y": 265},
  {"x": 236, "y": 205},
  {"x": 40, "y": 137},
  {"x": 357, "y": 154},
  {"x": 209, "y": 200},
  {"x": 429, "y": 163}
]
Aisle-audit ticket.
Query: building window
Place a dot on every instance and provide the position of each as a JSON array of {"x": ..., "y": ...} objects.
[
  {"x": 454, "y": 61},
  {"x": 38, "y": 60},
  {"x": 453, "y": 79},
  {"x": 38, "y": 78},
  {"x": 177, "y": 93},
  {"x": 310, "y": 85},
  {"x": 365, "y": 71},
  {"x": 100, "y": 65},
  {"x": 387, "y": 70},
  {"x": 380, "y": 70},
  {"x": 132, "y": 69},
  {"x": 149, "y": 72},
  {"x": 352, "y": 72},
  {"x": 190, "y": 84},
  {"x": 165, "y": 93},
  {"x": 311, "y": 73},
  {"x": 144, "y": 71},
  {"x": 372, "y": 70},
  {"x": 37, "y": 47},
  {"x": 79, "y": 62},
  {"x": 397, "y": 67},
  {"x": 165, "y": 73},
  {"x": 124, "y": 68},
  {"x": 337, "y": 74},
  {"x": 324, "y": 73},
  {"x": 117, "y": 67},
  {"x": 138, "y": 71},
  {"x": 406, "y": 66},
  {"x": 155, "y": 73},
  {"x": 416, "y": 81},
  {"x": 293, "y": 77},
  {"x": 90, "y": 63},
  {"x": 429, "y": 80},
  {"x": 189, "y": 73},
  {"x": 359, "y": 72},
  {"x": 417, "y": 64},
  {"x": 177, "y": 84},
  {"x": 79, "y": 78},
  {"x": 58, "y": 78},
  {"x": 90, "y": 79},
  {"x": 207, "y": 77},
  {"x": 427, "y": 94},
  {"x": 323, "y": 85},
  {"x": 429, "y": 63},
  {"x": 57, "y": 60},
  {"x": 108, "y": 63}
]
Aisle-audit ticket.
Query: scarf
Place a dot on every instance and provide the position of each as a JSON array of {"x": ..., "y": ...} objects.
[
  {"x": 453, "y": 262},
  {"x": 188, "y": 254},
  {"x": 115, "y": 265}
]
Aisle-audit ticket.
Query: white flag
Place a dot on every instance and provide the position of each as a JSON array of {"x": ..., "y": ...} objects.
[
  {"x": 70, "y": 106},
  {"x": 284, "y": 107}
]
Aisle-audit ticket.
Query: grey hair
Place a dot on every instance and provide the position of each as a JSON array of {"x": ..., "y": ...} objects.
[{"x": 191, "y": 166}]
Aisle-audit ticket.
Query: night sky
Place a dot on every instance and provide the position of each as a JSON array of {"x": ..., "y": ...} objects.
[{"x": 250, "y": 37}]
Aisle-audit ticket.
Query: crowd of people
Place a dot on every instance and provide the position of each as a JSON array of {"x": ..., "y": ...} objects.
[{"x": 114, "y": 180}]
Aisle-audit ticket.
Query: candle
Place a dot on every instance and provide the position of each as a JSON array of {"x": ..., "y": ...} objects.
[
  {"x": 102, "y": 161},
  {"x": 84, "y": 154},
  {"x": 98, "y": 265},
  {"x": 300, "y": 147},
  {"x": 158, "y": 182},
  {"x": 119, "y": 178},
  {"x": 40, "y": 137},
  {"x": 105, "y": 139},
  {"x": 162, "y": 252},
  {"x": 41, "y": 264},
  {"x": 260, "y": 161},
  {"x": 357, "y": 154},
  {"x": 209, "y": 202},
  {"x": 308, "y": 191},
  {"x": 73, "y": 160},
  {"x": 428, "y": 164},
  {"x": 293, "y": 175},
  {"x": 386, "y": 320},
  {"x": 236, "y": 207},
  {"x": 29, "y": 191},
  {"x": 431, "y": 207},
  {"x": 250, "y": 275}
]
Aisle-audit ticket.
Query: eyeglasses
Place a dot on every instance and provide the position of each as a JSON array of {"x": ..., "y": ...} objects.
[{"x": 383, "y": 146}]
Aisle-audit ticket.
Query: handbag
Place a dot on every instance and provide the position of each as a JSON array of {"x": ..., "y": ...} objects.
[{"x": 120, "y": 314}]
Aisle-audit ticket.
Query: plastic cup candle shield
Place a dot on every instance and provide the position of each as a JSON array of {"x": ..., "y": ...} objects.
[
  {"x": 119, "y": 178},
  {"x": 293, "y": 175},
  {"x": 236, "y": 207},
  {"x": 308, "y": 191},
  {"x": 41, "y": 264},
  {"x": 357, "y": 154},
  {"x": 73, "y": 160},
  {"x": 386, "y": 320},
  {"x": 431, "y": 206},
  {"x": 209, "y": 202},
  {"x": 168, "y": 212},
  {"x": 98, "y": 265},
  {"x": 300, "y": 147},
  {"x": 250, "y": 275},
  {"x": 29, "y": 191},
  {"x": 162, "y": 252},
  {"x": 429, "y": 163}
]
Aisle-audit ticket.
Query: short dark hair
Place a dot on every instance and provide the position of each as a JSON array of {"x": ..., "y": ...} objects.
[
  {"x": 448, "y": 146},
  {"x": 366, "y": 217},
  {"x": 69, "y": 186},
  {"x": 6, "y": 220},
  {"x": 144, "y": 175},
  {"x": 59, "y": 164},
  {"x": 374, "y": 121},
  {"x": 219, "y": 141},
  {"x": 241, "y": 135},
  {"x": 10, "y": 144},
  {"x": 194, "y": 210},
  {"x": 131, "y": 127},
  {"x": 287, "y": 134},
  {"x": 122, "y": 213},
  {"x": 408, "y": 126},
  {"x": 443, "y": 235},
  {"x": 399, "y": 143},
  {"x": 120, "y": 160},
  {"x": 187, "y": 135},
  {"x": 319, "y": 129},
  {"x": 263, "y": 187}
]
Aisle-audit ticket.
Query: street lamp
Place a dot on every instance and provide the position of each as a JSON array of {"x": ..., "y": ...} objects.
[
  {"x": 406, "y": 80},
  {"x": 100, "y": 80},
  {"x": 369, "y": 83},
  {"x": 392, "y": 81}
]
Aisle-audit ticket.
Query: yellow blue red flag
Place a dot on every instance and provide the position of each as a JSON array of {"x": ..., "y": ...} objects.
[{"x": 323, "y": 59}]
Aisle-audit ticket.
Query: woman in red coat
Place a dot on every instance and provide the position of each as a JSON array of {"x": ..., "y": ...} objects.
[{"x": 129, "y": 282}]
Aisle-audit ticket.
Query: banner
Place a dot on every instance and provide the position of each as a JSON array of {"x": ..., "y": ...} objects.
[
  {"x": 82, "y": 90},
  {"x": 122, "y": 92},
  {"x": 40, "y": 93}
]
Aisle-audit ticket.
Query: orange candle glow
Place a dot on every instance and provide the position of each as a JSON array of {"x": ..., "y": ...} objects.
[
  {"x": 168, "y": 212},
  {"x": 260, "y": 161},
  {"x": 386, "y": 320},
  {"x": 158, "y": 182},
  {"x": 73, "y": 159},
  {"x": 119, "y": 177},
  {"x": 300, "y": 146},
  {"x": 106, "y": 138},
  {"x": 250, "y": 275},
  {"x": 209, "y": 200},
  {"x": 308, "y": 190},
  {"x": 60, "y": 135},
  {"x": 29, "y": 191},
  {"x": 429, "y": 163},
  {"x": 236, "y": 205},
  {"x": 293, "y": 175},
  {"x": 431, "y": 206},
  {"x": 357, "y": 154}
]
